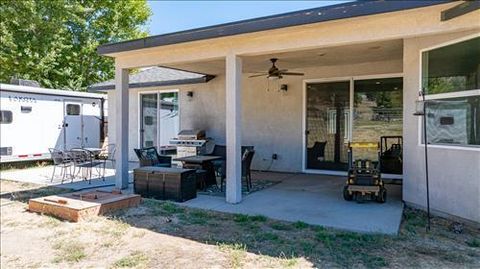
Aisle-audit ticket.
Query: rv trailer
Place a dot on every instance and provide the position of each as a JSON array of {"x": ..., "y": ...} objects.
[{"x": 34, "y": 119}]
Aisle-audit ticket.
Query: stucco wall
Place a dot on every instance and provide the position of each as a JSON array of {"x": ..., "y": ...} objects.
[
  {"x": 454, "y": 172},
  {"x": 272, "y": 121}
]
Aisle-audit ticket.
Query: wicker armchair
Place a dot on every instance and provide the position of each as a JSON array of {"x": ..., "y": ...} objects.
[{"x": 150, "y": 157}]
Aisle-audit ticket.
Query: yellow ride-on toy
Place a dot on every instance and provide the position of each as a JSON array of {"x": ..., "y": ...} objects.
[{"x": 364, "y": 177}]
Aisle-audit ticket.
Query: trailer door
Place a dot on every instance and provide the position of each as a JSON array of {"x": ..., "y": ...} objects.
[
  {"x": 72, "y": 125},
  {"x": 91, "y": 124}
]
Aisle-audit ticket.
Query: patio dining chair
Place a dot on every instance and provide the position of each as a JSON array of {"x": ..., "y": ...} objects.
[
  {"x": 85, "y": 161},
  {"x": 247, "y": 158},
  {"x": 107, "y": 155},
  {"x": 61, "y": 160},
  {"x": 150, "y": 157}
]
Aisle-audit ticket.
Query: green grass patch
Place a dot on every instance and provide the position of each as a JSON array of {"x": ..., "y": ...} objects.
[
  {"x": 414, "y": 219},
  {"x": 258, "y": 218},
  {"x": 300, "y": 225},
  {"x": 160, "y": 208},
  {"x": 473, "y": 243},
  {"x": 237, "y": 253},
  {"x": 281, "y": 226},
  {"x": 241, "y": 218},
  {"x": 136, "y": 259},
  {"x": 266, "y": 236},
  {"x": 68, "y": 251}
]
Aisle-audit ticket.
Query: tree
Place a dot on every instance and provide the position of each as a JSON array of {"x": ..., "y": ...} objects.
[{"x": 54, "y": 41}]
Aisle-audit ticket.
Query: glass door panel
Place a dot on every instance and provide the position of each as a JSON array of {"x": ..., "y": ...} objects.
[
  {"x": 149, "y": 122},
  {"x": 378, "y": 112},
  {"x": 169, "y": 118},
  {"x": 327, "y": 125}
]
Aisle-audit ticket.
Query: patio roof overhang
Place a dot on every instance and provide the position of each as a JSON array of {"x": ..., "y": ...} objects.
[
  {"x": 303, "y": 17},
  {"x": 156, "y": 77}
]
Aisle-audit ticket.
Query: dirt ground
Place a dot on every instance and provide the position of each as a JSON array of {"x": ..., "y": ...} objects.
[{"x": 165, "y": 235}]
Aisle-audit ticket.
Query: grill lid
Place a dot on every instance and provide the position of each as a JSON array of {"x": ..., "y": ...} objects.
[{"x": 191, "y": 134}]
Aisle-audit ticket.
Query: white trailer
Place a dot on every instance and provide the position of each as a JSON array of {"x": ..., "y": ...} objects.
[{"x": 34, "y": 119}]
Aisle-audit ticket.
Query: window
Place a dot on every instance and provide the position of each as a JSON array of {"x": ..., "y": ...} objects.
[
  {"x": 451, "y": 80},
  {"x": 73, "y": 109},
  {"x": 452, "y": 68},
  {"x": 26, "y": 109},
  {"x": 6, "y": 116}
]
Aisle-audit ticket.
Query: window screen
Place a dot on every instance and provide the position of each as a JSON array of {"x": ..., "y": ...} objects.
[
  {"x": 454, "y": 121},
  {"x": 73, "y": 110},
  {"x": 6, "y": 116}
]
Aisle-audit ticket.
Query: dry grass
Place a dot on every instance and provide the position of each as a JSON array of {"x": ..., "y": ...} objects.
[{"x": 164, "y": 234}]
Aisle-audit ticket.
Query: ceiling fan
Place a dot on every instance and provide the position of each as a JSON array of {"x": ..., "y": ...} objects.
[{"x": 275, "y": 73}]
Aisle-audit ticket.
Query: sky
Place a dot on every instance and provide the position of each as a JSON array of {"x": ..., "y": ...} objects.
[{"x": 173, "y": 16}]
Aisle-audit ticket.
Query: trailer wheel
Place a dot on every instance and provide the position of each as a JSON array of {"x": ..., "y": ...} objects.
[
  {"x": 382, "y": 195},
  {"x": 346, "y": 194}
]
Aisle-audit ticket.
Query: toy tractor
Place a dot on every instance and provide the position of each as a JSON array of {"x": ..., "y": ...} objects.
[{"x": 364, "y": 177}]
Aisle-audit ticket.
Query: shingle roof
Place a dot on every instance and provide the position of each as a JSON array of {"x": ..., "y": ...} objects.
[
  {"x": 156, "y": 76},
  {"x": 315, "y": 15}
]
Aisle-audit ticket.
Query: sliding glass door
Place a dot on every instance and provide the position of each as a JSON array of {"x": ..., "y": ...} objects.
[
  {"x": 159, "y": 118},
  {"x": 377, "y": 107},
  {"x": 327, "y": 122}
]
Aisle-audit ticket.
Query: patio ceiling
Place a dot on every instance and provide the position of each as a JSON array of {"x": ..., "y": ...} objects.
[{"x": 340, "y": 55}]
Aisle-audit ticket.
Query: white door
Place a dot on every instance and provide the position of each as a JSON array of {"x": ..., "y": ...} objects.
[
  {"x": 91, "y": 125},
  {"x": 72, "y": 124},
  {"x": 159, "y": 118}
]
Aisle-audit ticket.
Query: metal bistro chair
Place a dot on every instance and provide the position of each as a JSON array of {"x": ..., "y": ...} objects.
[
  {"x": 107, "y": 155},
  {"x": 85, "y": 161},
  {"x": 150, "y": 157},
  {"x": 62, "y": 160}
]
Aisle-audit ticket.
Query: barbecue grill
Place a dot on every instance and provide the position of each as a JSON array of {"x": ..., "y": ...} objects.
[{"x": 190, "y": 143}]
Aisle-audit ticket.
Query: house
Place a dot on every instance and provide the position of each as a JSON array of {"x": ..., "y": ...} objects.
[{"x": 360, "y": 67}]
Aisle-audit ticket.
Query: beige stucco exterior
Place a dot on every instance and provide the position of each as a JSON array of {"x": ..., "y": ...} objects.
[
  {"x": 273, "y": 121},
  {"x": 454, "y": 171}
]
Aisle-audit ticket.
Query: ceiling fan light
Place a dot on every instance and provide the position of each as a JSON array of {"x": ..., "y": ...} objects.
[{"x": 273, "y": 77}]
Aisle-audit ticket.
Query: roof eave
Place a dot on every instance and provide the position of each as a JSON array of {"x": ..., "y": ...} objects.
[
  {"x": 203, "y": 79},
  {"x": 297, "y": 18}
]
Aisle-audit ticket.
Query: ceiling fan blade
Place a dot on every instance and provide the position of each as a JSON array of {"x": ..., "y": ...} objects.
[
  {"x": 291, "y": 74},
  {"x": 258, "y": 75}
]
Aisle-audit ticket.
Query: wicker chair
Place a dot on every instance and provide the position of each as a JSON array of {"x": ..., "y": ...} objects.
[
  {"x": 247, "y": 157},
  {"x": 150, "y": 157}
]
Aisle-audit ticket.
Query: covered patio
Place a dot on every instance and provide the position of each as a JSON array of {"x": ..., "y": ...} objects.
[{"x": 360, "y": 66}]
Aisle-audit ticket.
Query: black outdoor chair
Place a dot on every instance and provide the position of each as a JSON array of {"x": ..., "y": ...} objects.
[
  {"x": 150, "y": 157},
  {"x": 316, "y": 154},
  {"x": 62, "y": 160},
  {"x": 247, "y": 157},
  {"x": 219, "y": 165}
]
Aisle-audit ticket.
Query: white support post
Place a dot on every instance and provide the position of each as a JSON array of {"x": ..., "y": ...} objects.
[
  {"x": 121, "y": 128},
  {"x": 234, "y": 128}
]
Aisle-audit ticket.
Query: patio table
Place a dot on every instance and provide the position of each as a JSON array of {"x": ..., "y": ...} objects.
[
  {"x": 94, "y": 151},
  {"x": 205, "y": 162}
]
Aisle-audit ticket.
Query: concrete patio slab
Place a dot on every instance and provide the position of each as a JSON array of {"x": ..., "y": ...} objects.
[
  {"x": 314, "y": 199},
  {"x": 43, "y": 175}
]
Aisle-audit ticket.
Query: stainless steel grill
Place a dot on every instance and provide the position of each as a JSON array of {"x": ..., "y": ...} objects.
[{"x": 190, "y": 143}]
